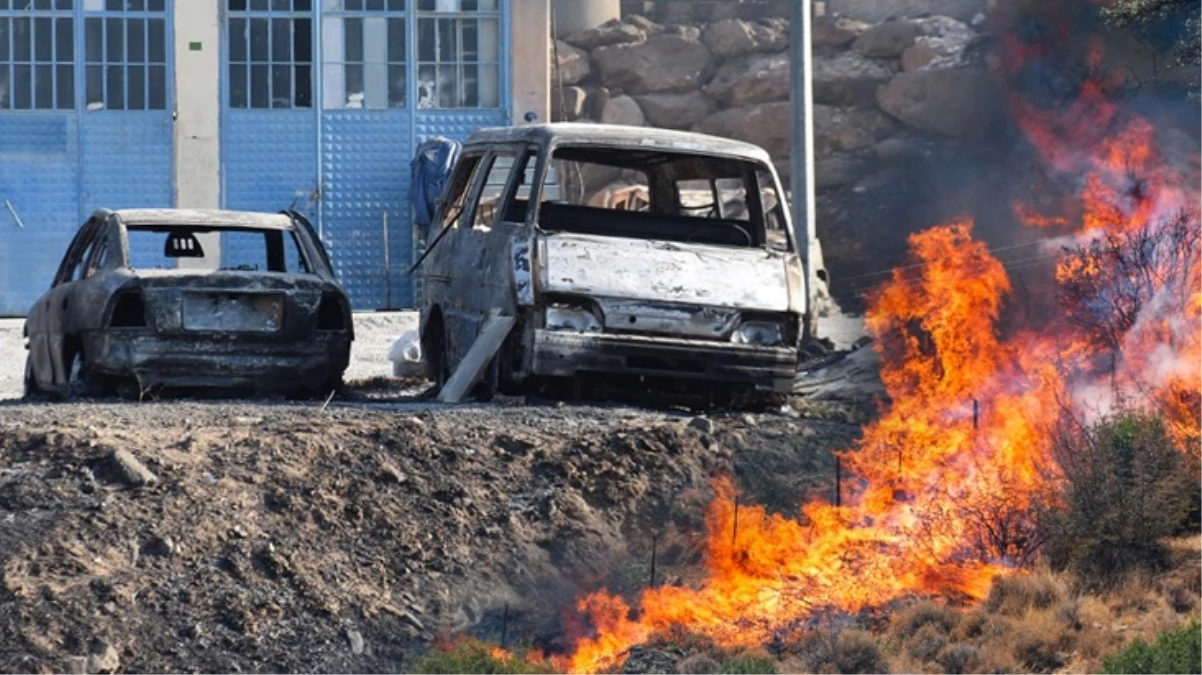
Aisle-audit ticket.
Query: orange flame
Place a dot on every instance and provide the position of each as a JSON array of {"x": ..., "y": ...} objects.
[{"x": 964, "y": 442}]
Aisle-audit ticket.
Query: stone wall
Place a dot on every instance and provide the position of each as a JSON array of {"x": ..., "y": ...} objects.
[{"x": 896, "y": 101}]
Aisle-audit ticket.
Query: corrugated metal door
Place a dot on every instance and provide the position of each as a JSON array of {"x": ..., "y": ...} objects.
[
  {"x": 385, "y": 75},
  {"x": 85, "y": 121},
  {"x": 269, "y": 122},
  {"x": 394, "y": 73}
]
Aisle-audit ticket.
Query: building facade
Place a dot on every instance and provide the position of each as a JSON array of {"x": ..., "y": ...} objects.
[{"x": 263, "y": 105}]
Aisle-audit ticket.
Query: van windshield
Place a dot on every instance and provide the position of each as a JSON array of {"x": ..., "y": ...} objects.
[{"x": 650, "y": 194}]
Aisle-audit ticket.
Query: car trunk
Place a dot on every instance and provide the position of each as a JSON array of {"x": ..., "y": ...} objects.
[{"x": 264, "y": 304}]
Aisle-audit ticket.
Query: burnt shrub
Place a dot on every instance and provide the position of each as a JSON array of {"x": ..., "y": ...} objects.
[{"x": 1126, "y": 487}]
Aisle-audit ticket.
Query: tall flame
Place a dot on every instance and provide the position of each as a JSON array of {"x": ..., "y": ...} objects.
[{"x": 944, "y": 479}]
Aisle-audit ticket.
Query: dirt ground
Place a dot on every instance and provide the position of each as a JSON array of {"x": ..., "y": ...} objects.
[{"x": 262, "y": 537}]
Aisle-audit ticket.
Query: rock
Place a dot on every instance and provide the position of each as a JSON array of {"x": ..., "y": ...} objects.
[
  {"x": 959, "y": 103},
  {"x": 897, "y": 150},
  {"x": 767, "y": 125},
  {"x": 675, "y": 111},
  {"x": 391, "y": 473},
  {"x": 355, "y": 639},
  {"x": 104, "y": 658},
  {"x": 876, "y": 11},
  {"x": 643, "y": 659},
  {"x": 567, "y": 103},
  {"x": 945, "y": 39},
  {"x": 835, "y": 32},
  {"x": 646, "y": 25},
  {"x": 664, "y": 63},
  {"x": 888, "y": 40},
  {"x": 159, "y": 546},
  {"x": 978, "y": 20},
  {"x": 571, "y": 64},
  {"x": 611, "y": 32},
  {"x": 690, "y": 33},
  {"x": 130, "y": 470},
  {"x": 848, "y": 129},
  {"x": 837, "y": 171},
  {"x": 243, "y": 421},
  {"x": 703, "y": 424},
  {"x": 848, "y": 78},
  {"x": 597, "y": 100},
  {"x": 623, "y": 110},
  {"x": 735, "y": 37},
  {"x": 917, "y": 56},
  {"x": 76, "y": 665},
  {"x": 751, "y": 79}
]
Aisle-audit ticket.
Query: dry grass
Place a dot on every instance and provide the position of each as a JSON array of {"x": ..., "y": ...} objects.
[
  {"x": 1045, "y": 622},
  {"x": 1017, "y": 595}
]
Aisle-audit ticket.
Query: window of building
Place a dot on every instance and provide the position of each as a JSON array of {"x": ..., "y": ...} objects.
[
  {"x": 458, "y": 52},
  {"x": 364, "y": 46},
  {"x": 270, "y": 46},
  {"x": 125, "y": 50},
  {"x": 37, "y": 55}
]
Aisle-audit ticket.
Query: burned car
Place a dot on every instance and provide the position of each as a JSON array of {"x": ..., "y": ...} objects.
[
  {"x": 619, "y": 251},
  {"x": 159, "y": 298}
]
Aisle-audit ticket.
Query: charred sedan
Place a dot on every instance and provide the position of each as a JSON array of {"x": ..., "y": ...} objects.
[{"x": 190, "y": 299}]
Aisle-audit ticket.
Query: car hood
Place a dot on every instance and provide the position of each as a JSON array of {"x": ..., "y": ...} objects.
[{"x": 718, "y": 276}]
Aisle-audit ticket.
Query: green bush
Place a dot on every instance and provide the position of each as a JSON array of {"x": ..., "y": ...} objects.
[
  {"x": 1178, "y": 651},
  {"x": 1126, "y": 487},
  {"x": 471, "y": 655}
]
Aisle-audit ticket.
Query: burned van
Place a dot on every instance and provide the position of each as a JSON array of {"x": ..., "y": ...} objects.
[{"x": 617, "y": 251}]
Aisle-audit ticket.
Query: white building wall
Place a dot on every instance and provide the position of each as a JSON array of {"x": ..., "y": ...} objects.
[{"x": 198, "y": 104}]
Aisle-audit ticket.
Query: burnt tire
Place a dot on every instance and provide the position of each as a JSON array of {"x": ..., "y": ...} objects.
[{"x": 434, "y": 347}]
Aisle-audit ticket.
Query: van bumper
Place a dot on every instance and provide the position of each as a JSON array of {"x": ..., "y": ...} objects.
[{"x": 565, "y": 354}]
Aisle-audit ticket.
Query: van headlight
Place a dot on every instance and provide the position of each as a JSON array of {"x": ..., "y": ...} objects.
[
  {"x": 571, "y": 318},
  {"x": 762, "y": 333}
]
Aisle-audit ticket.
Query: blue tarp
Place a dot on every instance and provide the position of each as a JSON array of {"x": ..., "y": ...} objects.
[{"x": 429, "y": 172}]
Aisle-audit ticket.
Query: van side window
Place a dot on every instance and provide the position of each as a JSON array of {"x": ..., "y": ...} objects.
[
  {"x": 457, "y": 195},
  {"x": 774, "y": 213},
  {"x": 490, "y": 193},
  {"x": 518, "y": 205}
]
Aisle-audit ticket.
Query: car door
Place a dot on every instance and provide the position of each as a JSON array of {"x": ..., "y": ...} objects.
[{"x": 57, "y": 302}]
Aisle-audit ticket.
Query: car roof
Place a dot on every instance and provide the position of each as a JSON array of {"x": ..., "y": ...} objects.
[
  {"x": 204, "y": 218},
  {"x": 616, "y": 135}
]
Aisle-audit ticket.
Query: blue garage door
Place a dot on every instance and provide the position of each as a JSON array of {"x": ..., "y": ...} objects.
[
  {"x": 85, "y": 122},
  {"x": 369, "y": 79}
]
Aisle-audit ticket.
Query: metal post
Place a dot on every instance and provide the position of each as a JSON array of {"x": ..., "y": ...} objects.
[
  {"x": 387, "y": 266},
  {"x": 976, "y": 414},
  {"x": 802, "y": 176},
  {"x": 505, "y": 625},
  {"x": 734, "y": 535},
  {"x": 654, "y": 547},
  {"x": 838, "y": 481}
]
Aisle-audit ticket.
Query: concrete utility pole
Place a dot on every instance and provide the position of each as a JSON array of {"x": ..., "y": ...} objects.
[{"x": 802, "y": 99}]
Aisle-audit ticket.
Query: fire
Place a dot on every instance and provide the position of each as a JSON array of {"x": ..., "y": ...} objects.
[{"x": 942, "y": 483}]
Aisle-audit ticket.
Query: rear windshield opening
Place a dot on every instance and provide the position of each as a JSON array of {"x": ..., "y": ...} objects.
[
  {"x": 158, "y": 247},
  {"x": 644, "y": 194}
]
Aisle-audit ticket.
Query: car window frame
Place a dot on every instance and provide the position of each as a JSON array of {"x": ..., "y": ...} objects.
[{"x": 75, "y": 252}]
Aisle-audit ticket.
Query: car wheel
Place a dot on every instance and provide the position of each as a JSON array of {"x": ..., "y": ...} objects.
[{"x": 434, "y": 348}]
